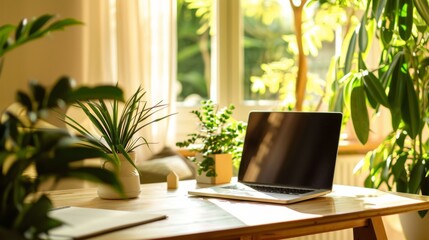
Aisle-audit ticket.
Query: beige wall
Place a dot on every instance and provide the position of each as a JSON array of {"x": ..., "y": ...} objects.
[{"x": 45, "y": 59}]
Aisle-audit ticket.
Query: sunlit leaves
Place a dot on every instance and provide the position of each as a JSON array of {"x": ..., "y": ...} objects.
[
  {"x": 374, "y": 89},
  {"x": 28, "y": 30},
  {"x": 218, "y": 133},
  {"x": 405, "y": 19},
  {"x": 359, "y": 112},
  {"x": 422, "y": 7}
]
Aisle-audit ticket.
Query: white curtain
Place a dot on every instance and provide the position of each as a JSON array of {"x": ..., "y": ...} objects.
[{"x": 133, "y": 43}]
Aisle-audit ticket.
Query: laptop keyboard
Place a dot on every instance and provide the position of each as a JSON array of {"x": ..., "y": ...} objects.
[
  {"x": 272, "y": 189},
  {"x": 284, "y": 190}
]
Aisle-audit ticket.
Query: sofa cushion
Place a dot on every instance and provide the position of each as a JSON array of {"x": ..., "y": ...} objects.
[{"x": 161, "y": 164}]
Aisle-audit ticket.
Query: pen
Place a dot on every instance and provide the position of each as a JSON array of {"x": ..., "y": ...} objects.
[{"x": 58, "y": 208}]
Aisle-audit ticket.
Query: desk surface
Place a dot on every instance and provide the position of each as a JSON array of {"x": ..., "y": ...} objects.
[{"x": 210, "y": 218}]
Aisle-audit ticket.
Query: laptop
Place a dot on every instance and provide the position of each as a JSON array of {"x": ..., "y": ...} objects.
[{"x": 287, "y": 157}]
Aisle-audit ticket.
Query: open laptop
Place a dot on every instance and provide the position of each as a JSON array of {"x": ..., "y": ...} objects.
[{"x": 287, "y": 157}]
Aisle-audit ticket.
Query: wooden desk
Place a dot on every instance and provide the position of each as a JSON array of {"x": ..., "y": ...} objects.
[{"x": 210, "y": 218}]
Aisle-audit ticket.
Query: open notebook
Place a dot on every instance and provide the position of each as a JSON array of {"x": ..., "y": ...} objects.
[
  {"x": 87, "y": 222},
  {"x": 287, "y": 157}
]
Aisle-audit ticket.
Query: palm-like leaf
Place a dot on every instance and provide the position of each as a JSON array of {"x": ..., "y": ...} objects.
[
  {"x": 118, "y": 129},
  {"x": 27, "y": 30}
]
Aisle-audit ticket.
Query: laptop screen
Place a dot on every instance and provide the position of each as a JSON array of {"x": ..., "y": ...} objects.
[{"x": 296, "y": 149}]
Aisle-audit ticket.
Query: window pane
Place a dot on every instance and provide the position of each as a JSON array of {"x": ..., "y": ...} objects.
[
  {"x": 194, "y": 49},
  {"x": 270, "y": 53},
  {"x": 269, "y": 47}
]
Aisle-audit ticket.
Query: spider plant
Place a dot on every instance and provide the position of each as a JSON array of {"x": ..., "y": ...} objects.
[{"x": 118, "y": 125}]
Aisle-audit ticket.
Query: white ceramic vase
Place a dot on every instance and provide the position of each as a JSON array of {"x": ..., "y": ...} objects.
[
  {"x": 223, "y": 169},
  {"x": 127, "y": 175},
  {"x": 413, "y": 226}
]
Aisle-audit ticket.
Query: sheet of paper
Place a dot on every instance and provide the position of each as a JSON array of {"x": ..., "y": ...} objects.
[{"x": 86, "y": 222}]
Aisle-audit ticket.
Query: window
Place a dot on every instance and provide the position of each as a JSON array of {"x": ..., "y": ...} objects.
[
  {"x": 266, "y": 36},
  {"x": 243, "y": 52}
]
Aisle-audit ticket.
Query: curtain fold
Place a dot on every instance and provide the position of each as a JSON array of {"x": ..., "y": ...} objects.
[{"x": 133, "y": 43}]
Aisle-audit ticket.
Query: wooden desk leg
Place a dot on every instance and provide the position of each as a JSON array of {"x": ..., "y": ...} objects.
[{"x": 374, "y": 231}]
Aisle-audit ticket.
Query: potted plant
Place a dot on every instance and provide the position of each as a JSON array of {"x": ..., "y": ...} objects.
[
  {"x": 51, "y": 152},
  {"x": 399, "y": 83},
  {"x": 117, "y": 134},
  {"x": 218, "y": 143}
]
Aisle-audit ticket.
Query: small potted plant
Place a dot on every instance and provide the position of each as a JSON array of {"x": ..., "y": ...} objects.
[
  {"x": 117, "y": 128},
  {"x": 218, "y": 143}
]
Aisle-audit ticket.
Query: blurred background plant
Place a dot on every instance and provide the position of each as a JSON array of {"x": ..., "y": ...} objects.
[{"x": 28, "y": 144}]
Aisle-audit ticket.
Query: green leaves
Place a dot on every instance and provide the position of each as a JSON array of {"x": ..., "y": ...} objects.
[
  {"x": 28, "y": 30},
  {"x": 51, "y": 151},
  {"x": 97, "y": 92},
  {"x": 410, "y": 111},
  {"x": 117, "y": 126},
  {"x": 405, "y": 19},
  {"x": 218, "y": 133},
  {"x": 359, "y": 112},
  {"x": 40, "y": 99},
  {"x": 374, "y": 89},
  {"x": 422, "y": 7},
  {"x": 399, "y": 83}
]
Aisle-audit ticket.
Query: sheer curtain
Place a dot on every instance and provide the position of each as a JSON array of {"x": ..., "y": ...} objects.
[{"x": 133, "y": 42}]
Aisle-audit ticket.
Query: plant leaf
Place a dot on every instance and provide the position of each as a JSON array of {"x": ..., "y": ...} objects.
[
  {"x": 375, "y": 89},
  {"x": 39, "y": 23},
  {"x": 388, "y": 21},
  {"x": 422, "y": 7},
  {"x": 99, "y": 92},
  {"x": 405, "y": 19},
  {"x": 20, "y": 30},
  {"x": 396, "y": 93},
  {"x": 350, "y": 53},
  {"x": 359, "y": 113},
  {"x": 416, "y": 176},
  {"x": 363, "y": 35},
  {"x": 62, "y": 88},
  {"x": 96, "y": 174},
  {"x": 377, "y": 8},
  {"x": 410, "y": 110},
  {"x": 24, "y": 100},
  {"x": 398, "y": 169}
]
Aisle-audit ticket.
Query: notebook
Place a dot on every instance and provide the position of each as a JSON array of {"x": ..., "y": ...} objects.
[
  {"x": 287, "y": 157},
  {"x": 80, "y": 223}
]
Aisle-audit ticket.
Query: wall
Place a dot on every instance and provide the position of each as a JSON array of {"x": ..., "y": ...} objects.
[{"x": 46, "y": 59}]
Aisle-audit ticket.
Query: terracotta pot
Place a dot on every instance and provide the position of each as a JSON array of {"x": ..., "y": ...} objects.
[
  {"x": 128, "y": 177},
  {"x": 223, "y": 169}
]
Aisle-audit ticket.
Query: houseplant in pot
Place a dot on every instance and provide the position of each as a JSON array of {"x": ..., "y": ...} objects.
[
  {"x": 117, "y": 127},
  {"x": 218, "y": 143},
  {"x": 399, "y": 83}
]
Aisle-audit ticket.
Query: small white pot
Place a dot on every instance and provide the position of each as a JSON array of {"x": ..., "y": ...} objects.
[
  {"x": 223, "y": 169},
  {"x": 128, "y": 176},
  {"x": 413, "y": 226}
]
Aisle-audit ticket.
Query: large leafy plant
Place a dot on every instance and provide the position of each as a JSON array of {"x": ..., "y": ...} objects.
[
  {"x": 118, "y": 126},
  {"x": 399, "y": 82},
  {"x": 51, "y": 152},
  {"x": 218, "y": 133}
]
